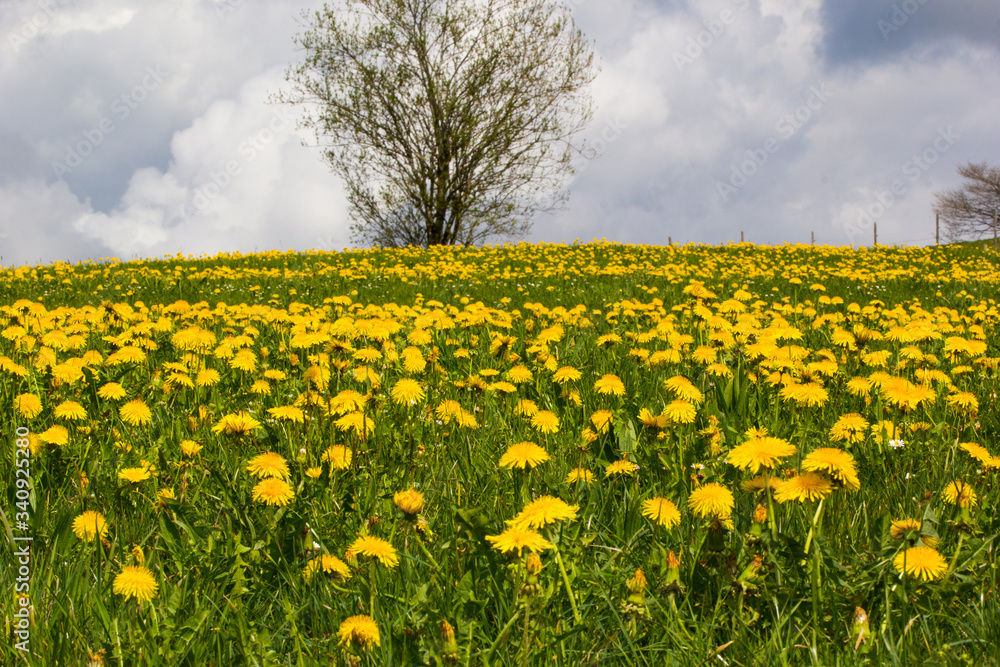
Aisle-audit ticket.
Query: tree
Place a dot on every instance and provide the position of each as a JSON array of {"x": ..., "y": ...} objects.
[
  {"x": 969, "y": 211},
  {"x": 449, "y": 121}
]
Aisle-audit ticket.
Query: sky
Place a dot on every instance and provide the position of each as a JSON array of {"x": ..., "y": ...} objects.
[{"x": 143, "y": 129}]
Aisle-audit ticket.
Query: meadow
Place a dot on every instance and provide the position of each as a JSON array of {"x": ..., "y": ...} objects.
[{"x": 516, "y": 455}]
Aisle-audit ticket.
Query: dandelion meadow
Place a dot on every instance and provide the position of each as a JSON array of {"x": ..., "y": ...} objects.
[{"x": 525, "y": 454}]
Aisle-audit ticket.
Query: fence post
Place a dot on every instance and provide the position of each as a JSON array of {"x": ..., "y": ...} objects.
[{"x": 937, "y": 229}]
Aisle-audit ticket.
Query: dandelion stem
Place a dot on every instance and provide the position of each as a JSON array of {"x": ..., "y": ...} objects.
[{"x": 569, "y": 589}]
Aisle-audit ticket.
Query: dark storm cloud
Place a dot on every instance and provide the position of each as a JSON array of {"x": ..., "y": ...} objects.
[{"x": 862, "y": 31}]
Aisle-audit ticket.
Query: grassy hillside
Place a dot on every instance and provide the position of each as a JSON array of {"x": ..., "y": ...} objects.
[{"x": 586, "y": 454}]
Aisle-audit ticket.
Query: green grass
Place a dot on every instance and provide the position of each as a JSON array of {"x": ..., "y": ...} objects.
[{"x": 230, "y": 570}]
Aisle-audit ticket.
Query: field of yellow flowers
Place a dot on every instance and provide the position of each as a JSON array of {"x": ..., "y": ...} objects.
[{"x": 526, "y": 454}]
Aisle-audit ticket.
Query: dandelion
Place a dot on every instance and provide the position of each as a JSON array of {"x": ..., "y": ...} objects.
[
  {"x": 961, "y": 494},
  {"x": 239, "y": 423},
  {"x": 809, "y": 394},
  {"x": 89, "y": 525},
  {"x": 136, "y": 581},
  {"x": 28, "y": 405},
  {"x": 525, "y": 408},
  {"x": 922, "y": 562},
  {"x": 662, "y": 511},
  {"x": 326, "y": 564},
  {"x": 273, "y": 491},
  {"x": 542, "y": 512},
  {"x": 135, "y": 413},
  {"x": 680, "y": 412},
  {"x": 375, "y": 547},
  {"x": 763, "y": 452},
  {"x": 519, "y": 539},
  {"x": 523, "y": 455},
  {"x": 684, "y": 389},
  {"x": 338, "y": 456},
  {"x": 545, "y": 422},
  {"x": 190, "y": 447},
  {"x": 836, "y": 463},
  {"x": 288, "y": 413},
  {"x": 134, "y": 475},
  {"x": 712, "y": 500},
  {"x": 55, "y": 435},
  {"x": 620, "y": 467},
  {"x": 208, "y": 377},
  {"x": 579, "y": 475},
  {"x": 601, "y": 419},
  {"x": 407, "y": 392},
  {"x": 849, "y": 428},
  {"x": 566, "y": 374},
  {"x": 268, "y": 464},
  {"x": 804, "y": 486},
  {"x": 410, "y": 501},
  {"x": 610, "y": 384},
  {"x": 359, "y": 631}
]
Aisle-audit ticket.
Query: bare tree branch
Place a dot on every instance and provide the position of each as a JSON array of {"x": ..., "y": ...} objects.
[{"x": 968, "y": 211}]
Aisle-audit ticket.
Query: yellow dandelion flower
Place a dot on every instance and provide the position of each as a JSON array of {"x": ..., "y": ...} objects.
[
  {"x": 407, "y": 392},
  {"x": 190, "y": 448},
  {"x": 545, "y": 422},
  {"x": 684, "y": 389},
  {"x": 28, "y": 405},
  {"x": 922, "y": 562},
  {"x": 134, "y": 475},
  {"x": 809, "y": 394},
  {"x": 288, "y": 413},
  {"x": 610, "y": 384},
  {"x": 519, "y": 374},
  {"x": 836, "y": 463},
  {"x": 662, "y": 511},
  {"x": 542, "y": 512},
  {"x": 136, "y": 581},
  {"x": 135, "y": 413},
  {"x": 70, "y": 410},
  {"x": 239, "y": 423},
  {"x": 338, "y": 456},
  {"x": 410, "y": 501},
  {"x": 375, "y": 547},
  {"x": 620, "y": 467},
  {"x": 804, "y": 486},
  {"x": 89, "y": 525},
  {"x": 268, "y": 464},
  {"x": 273, "y": 491},
  {"x": 326, "y": 564},
  {"x": 712, "y": 500},
  {"x": 579, "y": 475},
  {"x": 849, "y": 428},
  {"x": 359, "y": 631},
  {"x": 523, "y": 455},
  {"x": 961, "y": 494},
  {"x": 680, "y": 412},
  {"x": 519, "y": 539},
  {"x": 566, "y": 374},
  {"x": 763, "y": 452},
  {"x": 601, "y": 419},
  {"x": 207, "y": 378}
]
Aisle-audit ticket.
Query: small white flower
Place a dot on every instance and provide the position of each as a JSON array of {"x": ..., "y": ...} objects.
[{"x": 896, "y": 444}]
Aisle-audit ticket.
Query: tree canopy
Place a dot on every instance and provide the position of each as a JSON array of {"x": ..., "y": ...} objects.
[{"x": 450, "y": 121}]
